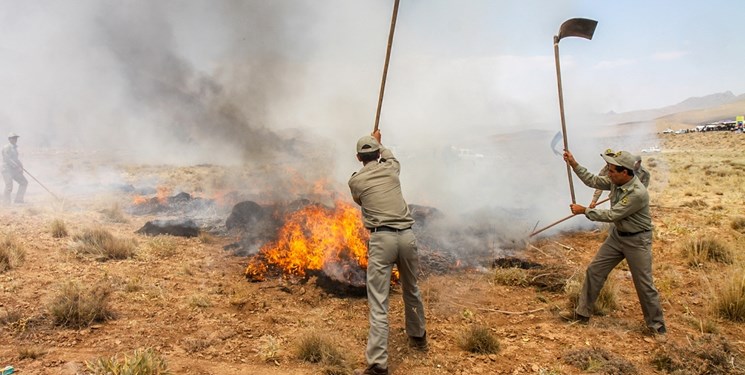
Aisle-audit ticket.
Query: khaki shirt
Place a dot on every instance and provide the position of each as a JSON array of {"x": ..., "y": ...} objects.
[
  {"x": 11, "y": 163},
  {"x": 629, "y": 203},
  {"x": 642, "y": 173},
  {"x": 377, "y": 189}
]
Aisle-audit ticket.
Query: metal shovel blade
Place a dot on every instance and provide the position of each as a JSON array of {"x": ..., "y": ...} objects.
[{"x": 580, "y": 27}]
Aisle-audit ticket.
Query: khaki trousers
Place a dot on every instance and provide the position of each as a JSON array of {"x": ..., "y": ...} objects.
[
  {"x": 637, "y": 250},
  {"x": 8, "y": 177},
  {"x": 384, "y": 250}
]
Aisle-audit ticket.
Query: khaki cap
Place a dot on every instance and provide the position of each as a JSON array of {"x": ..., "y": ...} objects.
[
  {"x": 367, "y": 143},
  {"x": 12, "y": 135},
  {"x": 621, "y": 158}
]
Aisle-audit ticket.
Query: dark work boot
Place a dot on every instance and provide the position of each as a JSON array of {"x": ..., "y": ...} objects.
[
  {"x": 373, "y": 369},
  {"x": 573, "y": 317},
  {"x": 419, "y": 343}
]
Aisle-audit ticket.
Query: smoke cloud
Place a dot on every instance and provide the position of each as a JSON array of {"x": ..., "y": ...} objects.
[{"x": 284, "y": 88}]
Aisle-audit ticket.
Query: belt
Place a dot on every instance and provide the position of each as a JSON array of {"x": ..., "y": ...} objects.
[
  {"x": 629, "y": 234},
  {"x": 387, "y": 229}
]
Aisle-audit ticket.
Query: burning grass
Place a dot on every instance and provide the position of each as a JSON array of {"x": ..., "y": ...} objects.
[
  {"x": 478, "y": 339},
  {"x": 698, "y": 251},
  {"x": 76, "y": 307},
  {"x": 142, "y": 362},
  {"x": 315, "y": 237},
  {"x": 102, "y": 245},
  {"x": 599, "y": 361},
  {"x": 12, "y": 253}
]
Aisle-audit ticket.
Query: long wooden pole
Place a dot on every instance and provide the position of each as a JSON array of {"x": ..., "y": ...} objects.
[
  {"x": 562, "y": 220},
  {"x": 385, "y": 66},
  {"x": 561, "y": 110}
]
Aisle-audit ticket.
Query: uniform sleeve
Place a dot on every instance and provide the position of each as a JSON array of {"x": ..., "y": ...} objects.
[
  {"x": 644, "y": 177},
  {"x": 591, "y": 180},
  {"x": 625, "y": 207},
  {"x": 355, "y": 192},
  {"x": 390, "y": 160}
]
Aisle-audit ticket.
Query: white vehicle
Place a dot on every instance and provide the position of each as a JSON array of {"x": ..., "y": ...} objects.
[{"x": 654, "y": 148}]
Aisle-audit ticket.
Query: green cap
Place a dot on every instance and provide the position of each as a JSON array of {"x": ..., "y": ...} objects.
[
  {"x": 367, "y": 143},
  {"x": 621, "y": 158}
]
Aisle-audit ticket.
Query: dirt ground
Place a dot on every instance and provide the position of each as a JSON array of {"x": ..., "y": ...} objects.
[{"x": 187, "y": 298}]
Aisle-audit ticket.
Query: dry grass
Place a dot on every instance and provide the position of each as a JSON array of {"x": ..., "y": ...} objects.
[
  {"x": 32, "y": 352},
  {"x": 599, "y": 361},
  {"x": 698, "y": 251},
  {"x": 478, "y": 339},
  {"x": 511, "y": 276},
  {"x": 607, "y": 300},
  {"x": 163, "y": 246},
  {"x": 708, "y": 354},
  {"x": 314, "y": 347},
  {"x": 206, "y": 238},
  {"x": 102, "y": 245},
  {"x": 729, "y": 298},
  {"x": 738, "y": 224},
  {"x": 76, "y": 307},
  {"x": 12, "y": 253},
  {"x": 142, "y": 362},
  {"x": 114, "y": 214},
  {"x": 58, "y": 229}
]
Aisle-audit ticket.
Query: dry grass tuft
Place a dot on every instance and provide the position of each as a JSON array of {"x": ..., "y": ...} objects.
[
  {"x": 76, "y": 307},
  {"x": 551, "y": 278},
  {"x": 58, "y": 228},
  {"x": 708, "y": 354},
  {"x": 599, "y": 361},
  {"x": 697, "y": 251},
  {"x": 317, "y": 348},
  {"x": 12, "y": 253},
  {"x": 738, "y": 224},
  {"x": 729, "y": 300},
  {"x": 101, "y": 244},
  {"x": 478, "y": 339},
  {"x": 206, "y": 238},
  {"x": 607, "y": 299},
  {"x": 31, "y": 353},
  {"x": 511, "y": 276},
  {"x": 163, "y": 245},
  {"x": 696, "y": 203},
  {"x": 114, "y": 214},
  {"x": 142, "y": 362}
]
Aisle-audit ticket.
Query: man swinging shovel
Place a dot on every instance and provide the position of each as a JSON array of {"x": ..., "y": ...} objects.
[{"x": 13, "y": 170}]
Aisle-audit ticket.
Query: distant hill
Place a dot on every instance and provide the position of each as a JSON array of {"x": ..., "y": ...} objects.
[{"x": 686, "y": 114}]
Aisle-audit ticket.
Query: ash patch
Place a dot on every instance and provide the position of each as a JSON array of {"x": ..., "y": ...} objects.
[{"x": 181, "y": 228}]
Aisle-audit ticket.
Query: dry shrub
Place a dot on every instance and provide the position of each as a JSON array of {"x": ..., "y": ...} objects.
[
  {"x": 102, "y": 245},
  {"x": 738, "y": 224},
  {"x": 511, "y": 276},
  {"x": 76, "y": 307},
  {"x": 708, "y": 354},
  {"x": 699, "y": 250},
  {"x": 12, "y": 253},
  {"x": 199, "y": 301},
  {"x": 142, "y": 362},
  {"x": 607, "y": 300},
  {"x": 478, "y": 339},
  {"x": 729, "y": 299},
  {"x": 114, "y": 214},
  {"x": 58, "y": 228},
  {"x": 317, "y": 348},
  {"x": 599, "y": 361}
]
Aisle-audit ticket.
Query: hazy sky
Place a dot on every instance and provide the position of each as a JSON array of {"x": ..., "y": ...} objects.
[{"x": 265, "y": 81}]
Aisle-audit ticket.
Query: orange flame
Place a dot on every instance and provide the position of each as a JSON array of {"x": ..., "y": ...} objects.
[
  {"x": 163, "y": 194},
  {"x": 312, "y": 237},
  {"x": 139, "y": 199}
]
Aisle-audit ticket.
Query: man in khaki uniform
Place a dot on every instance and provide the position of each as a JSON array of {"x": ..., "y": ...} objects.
[
  {"x": 12, "y": 169},
  {"x": 377, "y": 189},
  {"x": 630, "y": 237},
  {"x": 639, "y": 172}
]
